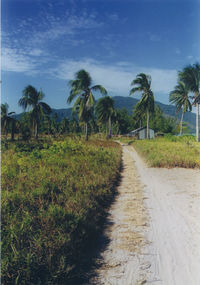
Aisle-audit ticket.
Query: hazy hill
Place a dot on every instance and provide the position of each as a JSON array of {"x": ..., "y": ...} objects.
[
  {"x": 128, "y": 103},
  {"x": 168, "y": 110}
]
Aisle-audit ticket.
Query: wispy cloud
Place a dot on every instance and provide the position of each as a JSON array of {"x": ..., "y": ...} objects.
[
  {"x": 154, "y": 37},
  {"x": 117, "y": 77},
  {"x": 178, "y": 51},
  {"x": 12, "y": 60},
  {"x": 113, "y": 17},
  {"x": 67, "y": 25},
  {"x": 31, "y": 38}
]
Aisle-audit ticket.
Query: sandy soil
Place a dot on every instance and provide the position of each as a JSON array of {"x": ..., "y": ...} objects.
[{"x": 154, "y": 230}]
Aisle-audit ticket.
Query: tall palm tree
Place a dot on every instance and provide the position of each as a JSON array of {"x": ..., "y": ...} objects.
[
  {"x": 32, "y": 98},
  {"x": 81, "y": 88},
  {"x": 64, "y": 125},
  {"x": 142, "y": 84},
  {"x": 105, "y": 110},
  {"x": 7, "y": 120},
  {"x": 179, "y": 96},
  {"x": 191, "y": 77}
]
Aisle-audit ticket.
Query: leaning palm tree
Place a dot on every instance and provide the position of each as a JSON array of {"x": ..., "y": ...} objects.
[
  {"x": 104, "y": 111},
  {"x": 81, "y": 88},
  {"x": 142, "y": 84},
  {"x": 179, "y": 96},
  {"x": 7, "y": 120},
  {"x": 191, "y": 77},
  {"x": 32, "y": 98}
]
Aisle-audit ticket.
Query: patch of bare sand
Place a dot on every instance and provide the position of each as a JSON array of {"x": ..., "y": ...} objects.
[
  {"x": 174, "y": 208},
  {"x": 154, "y": 230},
  {"x": 122, "y": 262}
]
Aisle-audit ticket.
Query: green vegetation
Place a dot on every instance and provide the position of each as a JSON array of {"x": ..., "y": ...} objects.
[
  {"x": 169, "y": 151},
  {"x": 40, "y": 119},
  {"x": 142, "y": 83},
  {"x": 180, "y": 96},
  {"x": 191, "y": 77},
  {"x": 56, "y": 191},
  {"x": 7, "y": 121},
  {"x": 54, "y": 199},
  {"x": 84, "y": 104},
  {"x": 32, "y": 98},
  {"x": 105, "y": 111}
]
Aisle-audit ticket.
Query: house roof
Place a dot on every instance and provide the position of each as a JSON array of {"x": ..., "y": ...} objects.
[{"x": 139, "y": 129}]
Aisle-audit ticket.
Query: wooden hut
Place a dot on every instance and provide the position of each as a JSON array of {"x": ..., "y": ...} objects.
[{"x": 141, "y": 133}]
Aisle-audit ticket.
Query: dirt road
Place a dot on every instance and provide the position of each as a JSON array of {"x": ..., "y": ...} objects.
[{"x": 153, "y": 227}]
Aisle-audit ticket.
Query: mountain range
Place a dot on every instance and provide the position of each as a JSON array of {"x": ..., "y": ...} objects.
[{"x": 128, "y": 103}]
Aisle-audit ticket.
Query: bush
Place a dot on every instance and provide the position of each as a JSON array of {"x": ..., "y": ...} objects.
[
  {"x": 170, "y": 151},
  {"x": 53, "y": 202}
]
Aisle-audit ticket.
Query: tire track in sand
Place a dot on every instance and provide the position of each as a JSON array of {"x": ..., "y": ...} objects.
[{"x": 122, "y": 261}]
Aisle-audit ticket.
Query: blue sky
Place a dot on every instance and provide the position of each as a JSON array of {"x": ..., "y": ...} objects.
[{"x": 44, "y": 42}]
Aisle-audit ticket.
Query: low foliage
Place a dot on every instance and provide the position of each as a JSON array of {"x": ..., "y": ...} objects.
[
  {"x": 53, "y": 201},
  {"x": 170, "y": 151}
]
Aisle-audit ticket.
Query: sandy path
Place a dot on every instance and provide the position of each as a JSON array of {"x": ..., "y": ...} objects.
[
  {"x": 166, "y": 212},
  {"x": 174, "y": 209},
  {"x": 121, "y": 262}
]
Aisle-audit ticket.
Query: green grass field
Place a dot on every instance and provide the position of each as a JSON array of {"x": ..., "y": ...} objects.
[
  {"x": 54, "y": 199},
  {"x": 169, "y": 151}
]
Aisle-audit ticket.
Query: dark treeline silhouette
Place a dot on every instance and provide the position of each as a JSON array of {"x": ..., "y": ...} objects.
[{"x": 89, "y": 116}]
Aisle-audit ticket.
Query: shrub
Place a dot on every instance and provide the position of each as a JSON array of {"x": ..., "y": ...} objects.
[{"x": 53, "y": 201}]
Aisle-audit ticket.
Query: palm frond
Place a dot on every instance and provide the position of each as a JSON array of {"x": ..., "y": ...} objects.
[
  {"x": 30, "y": 91},
  {"x": 135, "y": 89},
  {"x": 11, "y": 113},
  {"x": 73, "y": 94},
  {"x": 179, "y": 96},
  {"x": 90, "y": 101},
  {"x": 76, "y": 105},
  {"x": 4, "y": 109},
  {"x": 41, "y": 95},
  {"x": 99, "y": 88},
  {"x": 45, "y": 107},
  {"x": 84, "y": 78},
  {"x": 191, "y": 77}
]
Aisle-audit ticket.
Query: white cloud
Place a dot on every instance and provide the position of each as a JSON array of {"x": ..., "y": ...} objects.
[
  {"x": 116, "y": 78},
  {"x": 12, "y": 60},
  {"x": 177, "y": 51},
  {"x": 154, "y": 37},
  {"x": 36, "y": 52},
  {"x": 68, "y": 25},
  {"x": 113, "y": 17}
]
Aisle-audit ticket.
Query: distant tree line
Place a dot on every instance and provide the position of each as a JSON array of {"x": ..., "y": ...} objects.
[{"x": 89, "y": 116}]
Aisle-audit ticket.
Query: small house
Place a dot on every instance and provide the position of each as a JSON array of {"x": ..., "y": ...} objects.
[{"x": 141, "y": 133}]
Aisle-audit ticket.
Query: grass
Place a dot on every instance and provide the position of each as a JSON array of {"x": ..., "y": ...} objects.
[
  {"x": 169, "y": 151},
  {"x": 54, "y": 199}
]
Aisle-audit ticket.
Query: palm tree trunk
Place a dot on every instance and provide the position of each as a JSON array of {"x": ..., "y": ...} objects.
[
  {"x": 86, "y": 131},
  {"x": 147, "y": 123},
  {"x": 110, "y": 126},
  {"x": 5, "y": 130},
  {"x": 107, "y": 130},
  {"x": 36, "y": 130},
  {"x": 13, "y": 131},
  {"x": 197, "y": 122},
  {"x": 181, "y": 123}
]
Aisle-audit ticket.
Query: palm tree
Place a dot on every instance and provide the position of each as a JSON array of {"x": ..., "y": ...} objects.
[
  {"x": 191, "y": 77},
  {"x": 81, "y": 87},
  {"x": 143, "y": 84},
  {"x": 64, "y": 125},
  {"x": 179, "y": 96},
  {"x": 105, "y": 110},
  {"x": 7, "y": 120},
  {"x": 32, "y": 98}
]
